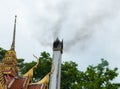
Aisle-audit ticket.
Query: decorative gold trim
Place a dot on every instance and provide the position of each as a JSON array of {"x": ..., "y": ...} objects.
[
  {"x": 30, "y": 72},
  {"x": 1, "y": 87},
  {"x": 45, "y": 80}
]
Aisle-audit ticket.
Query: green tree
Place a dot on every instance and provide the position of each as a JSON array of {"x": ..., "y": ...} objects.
[
  {"x": 43, "y": 68},
  {"x": 2, "y": 53},
  {"x": 21, "y": 63},
  {"x": 97, "y": 77},
  {"x": 94, "y": 77},
  {"x": 69, "y": 74},
  {"x": 45, "y": 62}
]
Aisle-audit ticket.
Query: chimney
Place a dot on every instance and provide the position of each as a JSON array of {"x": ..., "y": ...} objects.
[{"x": 55, "y": 78}]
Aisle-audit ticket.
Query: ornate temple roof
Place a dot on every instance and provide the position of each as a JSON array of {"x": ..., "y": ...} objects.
[
  {"x": 18, "y": 83},
  {"x": 37, "y": 86},
  {"x": 9, "y": 78}
]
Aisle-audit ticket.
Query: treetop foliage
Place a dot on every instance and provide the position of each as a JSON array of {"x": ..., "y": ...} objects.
[
  {"x": 94, "y": 77},
  {"x": 2, "y": 53}
]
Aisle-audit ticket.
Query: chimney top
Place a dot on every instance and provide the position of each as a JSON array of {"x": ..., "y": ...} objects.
[{"x": 58, "y": 45}]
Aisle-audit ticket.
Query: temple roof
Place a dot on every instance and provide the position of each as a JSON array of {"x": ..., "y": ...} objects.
[
  {"x": 21, "y": 83},
  {"x": 9, "y": 62},
  {"x": 37, "y": 86},
  {"x": 14, "y": 33},
  {"x": 9, "y": 78},
  {"x": 17, "y": 83}
]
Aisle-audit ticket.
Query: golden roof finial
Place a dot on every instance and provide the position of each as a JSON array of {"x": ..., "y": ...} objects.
[
  {"x": 13, "y": 41},
  {"x": 45, "y": 79},
  {"x": 29, "y": 73}
]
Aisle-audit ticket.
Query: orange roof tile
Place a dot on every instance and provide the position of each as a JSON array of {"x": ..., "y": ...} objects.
[
  {"x": 18, "y": 83},
  {"x": 40, "y": 86}
]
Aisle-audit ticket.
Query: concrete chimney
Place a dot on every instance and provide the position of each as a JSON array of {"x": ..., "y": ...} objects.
[{"x": 55, "y": 78}]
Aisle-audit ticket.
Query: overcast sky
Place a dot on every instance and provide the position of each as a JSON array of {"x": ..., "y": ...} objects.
[{"x": 90, "y": 29}]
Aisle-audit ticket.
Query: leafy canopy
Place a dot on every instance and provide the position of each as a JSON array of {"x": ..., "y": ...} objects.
[{"x": 94, "y": 77}]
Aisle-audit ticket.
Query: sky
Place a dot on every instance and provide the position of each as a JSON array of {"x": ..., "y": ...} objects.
[{"x": 89, "y": 28}]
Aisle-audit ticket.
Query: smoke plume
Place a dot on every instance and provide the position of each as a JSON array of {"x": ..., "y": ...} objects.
[{"x": 79, "y": 24}]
